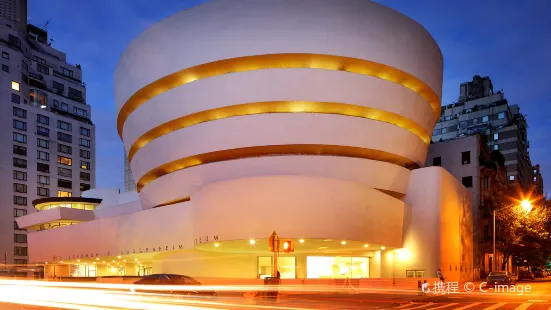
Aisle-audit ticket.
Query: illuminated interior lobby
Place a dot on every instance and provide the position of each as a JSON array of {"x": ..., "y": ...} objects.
[{"x": 310, "y": 118}]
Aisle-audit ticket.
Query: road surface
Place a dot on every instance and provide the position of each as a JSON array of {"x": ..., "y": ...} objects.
[{"x": 538, "y": 297}]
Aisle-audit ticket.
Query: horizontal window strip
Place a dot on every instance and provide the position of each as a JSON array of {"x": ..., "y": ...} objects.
[
  {"x": 273, "y": 61},
  {"x": 278, "y": 107}
]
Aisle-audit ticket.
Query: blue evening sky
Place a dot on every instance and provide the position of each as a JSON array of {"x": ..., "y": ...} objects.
[{"x": 508, "y": 40}]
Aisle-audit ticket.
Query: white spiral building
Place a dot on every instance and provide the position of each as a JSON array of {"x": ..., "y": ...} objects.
[{"x": 308, "y": 117}]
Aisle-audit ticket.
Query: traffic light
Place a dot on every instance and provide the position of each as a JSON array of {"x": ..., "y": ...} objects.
[{"x": 288, "y": 246}]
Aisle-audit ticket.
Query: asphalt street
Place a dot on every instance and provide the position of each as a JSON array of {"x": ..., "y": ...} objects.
[{"x": 538, "y": 296}]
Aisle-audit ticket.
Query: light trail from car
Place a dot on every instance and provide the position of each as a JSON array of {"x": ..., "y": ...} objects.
[{"x": 79, "y": 296}]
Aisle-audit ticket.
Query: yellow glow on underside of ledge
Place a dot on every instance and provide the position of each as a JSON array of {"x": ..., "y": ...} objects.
[
  {"x": 278, "y": 107},
  {"x": 273, "y": 150},
  {"x": 277, "y": 61}
]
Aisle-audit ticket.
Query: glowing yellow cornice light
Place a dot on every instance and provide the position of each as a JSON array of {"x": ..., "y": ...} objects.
[
  {"x": 271, "y": 150},
  {"x": 275, "y": 61},
  {"x": 278, "y": 107}
]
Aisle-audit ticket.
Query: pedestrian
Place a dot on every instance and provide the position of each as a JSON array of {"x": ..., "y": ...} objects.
[
  {"x": 439, "y": 275},
  {"x": 278, "y": 275}
]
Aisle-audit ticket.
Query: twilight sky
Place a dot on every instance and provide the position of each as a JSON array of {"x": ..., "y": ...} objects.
[{"x": 508, "y": 40}]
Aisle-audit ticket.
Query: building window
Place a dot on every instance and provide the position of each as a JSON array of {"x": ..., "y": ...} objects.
[
  {"x": 43, "y": 155},
  {"x": 19, "y": 188},
  {"x": 85, "y": 154},
  {"x": 59, "y": 87},
  {"x": 437, "y": 132},
  {"x": 15, "y": 98},
  {"x": 84, "y": 187},
  {"x": 84, "y": 165},
  {"x": 38, "y": 98},
  {"x": 19, "y": 212},
  {"x": 535, "y": 179},
  {"x": 45, "y": 144},
  {"x": 19, "y": 163},
  {"x": 20, "y": 238},
  {"x": 84, "y": 142},
  {"x": 42, "y": 131},
  {"x": 64, "y": 149},
  {"x": 80, "y": 112},
  {"x": 6, "y": 68},
  {"x": 64, "y": 137},
  {"x": 511, "y": 178},
  {"x": 20, "y": 200},
  {"x": 466, "y": 157},
  {"x": 15, "y": 85},
  {"x": 496, "y": 147},
  {"x": 42, "y": 119},
  {"x": 43, "y": 167},
  {"x": 19, "y": 175},
  {"x": 42, "y": 191},
  {"x": 19, "y": 112},
  {"x": 337, "y": 267},
  {"x": 496, "y": 136},
  {"x": 84, "y": 176},
  {"x": 20, "y": 261},
  {"x": 66, "y": 72},
  {"x": 437, "y": 161},
  {"x": 43, "y": 180},
  {"x": 64, "y": 183},
  {"x": 64, "y": 172},
  {"x": 18, "y": 137},
  {"x": 415, "y": 274},
  {"x": 485, "y": 119},
  {"x": 19, "y": 150},
  {"x": 64, "y": 125},
  {"x": 467, "y": 182},
  {"x": 43, "y": 69},
  {"x": 65, "y": 160},
  {"x": 75, "y": 93},
  {"x": 20, "y": 251},
  {"x": 17, "y": 124},
  {"x": 444, "y": 130},
  {"x": 64, "y": 107},
  {"x": 486, "y": 183},
  {"x": 463, "y": 125},
  {"x": 501, "y": 115},
  {"x": 265, "y": 267},
  {"x": 5, "y": 55},
  {"x": 64, "y": 194},
  {"x": 16, "y": 227},
  {"x": 85, "y": 131}
]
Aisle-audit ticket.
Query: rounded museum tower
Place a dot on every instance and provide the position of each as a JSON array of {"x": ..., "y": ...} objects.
[{"x": 305, "y": 116}]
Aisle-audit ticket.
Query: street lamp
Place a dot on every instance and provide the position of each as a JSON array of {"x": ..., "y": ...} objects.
[{"x": 526, "y": 205}]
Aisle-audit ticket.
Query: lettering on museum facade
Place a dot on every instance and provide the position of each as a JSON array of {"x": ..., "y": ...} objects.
[
  {"x": 205, "y": 239},
  {"x": 153, "y": 249}
]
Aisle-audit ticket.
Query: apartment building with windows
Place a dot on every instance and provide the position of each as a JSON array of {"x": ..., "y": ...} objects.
[
  {"x": 481, "y": 111},
  {"x": 537, "y": 180},
  {"x": 482, "y": 171},
  {"x": 47, "y": 136}
]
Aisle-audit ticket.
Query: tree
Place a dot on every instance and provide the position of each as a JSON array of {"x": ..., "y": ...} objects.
[{"x": 522, "y": 232}]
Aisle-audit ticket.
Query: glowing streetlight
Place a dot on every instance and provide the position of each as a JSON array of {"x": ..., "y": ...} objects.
[{"x": 526, "y": 205}]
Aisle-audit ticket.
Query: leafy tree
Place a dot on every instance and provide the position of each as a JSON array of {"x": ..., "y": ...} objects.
[{"x": 522, "y": 232}]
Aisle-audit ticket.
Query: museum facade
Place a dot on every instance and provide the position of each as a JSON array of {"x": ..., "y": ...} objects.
[{"x": 310, "y": 118}]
